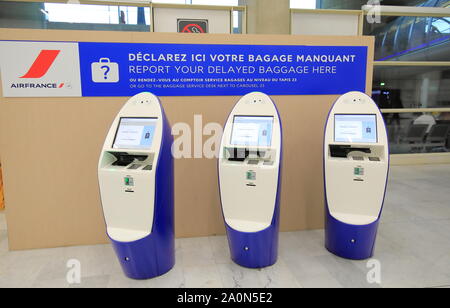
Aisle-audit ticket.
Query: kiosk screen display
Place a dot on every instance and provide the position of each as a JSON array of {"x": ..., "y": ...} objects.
[
  {"x": 135, "y": 133},
  {"x": 354, "y": 128},
  {"x": 252, "y": 131}
]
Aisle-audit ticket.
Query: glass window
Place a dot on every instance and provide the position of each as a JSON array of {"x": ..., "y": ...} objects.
[
  {"x": 172, "y": 1},
  {"x": 443, "y": 3},
  {"x": 388, "y": 41},
  {"x": 22, "y": 15},
  {"x": 439, "y": 28},
  {"x": 74, "y": 13},
  {"x": 411, "y": 38},
  {"x": 215, "y": 2},
  {"x": 96, "y": 14},
  {"x": 200, "y": 2},
  {"x": 404, "y": 32},
  {"x": 303, "y": 4},
  {"x": 411, "y": 133},
  {"x": 411, "y": 87},
  {"x": 356, "y": 4},
  {"x": 73, "y": 16},
  {"x": 238, "y": 17},
  {"x": 418, "y": 33},
  {"x": 70, "y": 16}
]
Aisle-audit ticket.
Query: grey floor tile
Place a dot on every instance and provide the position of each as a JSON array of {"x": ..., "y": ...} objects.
[
  {"x": 86, "y": 282},
  {"x": 207, "y": 276},
  {"x": 3, "y": 226},
  {"x": 349, "y": 274},
  {"x": 310, "y": 272},
  {"x": 235, "y": 276},
  {"x": 279, "y": 276},
  {"x": 3, "y": 242},
  {"x": 121, "y": 281},
  {"x": 305, "y": 243},
  {"x": 409, "y": 271},
  {"x": 413, "y": 249},
  {"x": 220, "y": 249},
  {"x": 173, "y": 279},
  {"x": 196, "y": 252}
]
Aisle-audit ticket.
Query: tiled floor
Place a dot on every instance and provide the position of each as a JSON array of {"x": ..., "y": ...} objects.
[{"x": 413, "y": 249}]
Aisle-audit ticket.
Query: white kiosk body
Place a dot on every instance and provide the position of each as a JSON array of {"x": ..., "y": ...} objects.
[
  {"x": 356, "y": 165},
  {"x": 136, "y": 185},
  {"x": 249, "y": 180}
]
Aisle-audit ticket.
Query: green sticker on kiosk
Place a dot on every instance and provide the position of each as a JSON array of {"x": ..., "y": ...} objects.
[
  {"x": 129, "y": 181},
  {"x": 359, "y": 171}
]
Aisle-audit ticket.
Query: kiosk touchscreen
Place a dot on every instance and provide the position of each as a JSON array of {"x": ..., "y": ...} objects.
[
  {"x": 356, "y": 170},
  {"x": 136, "y": 186},
  {"x": 249, "y": 180}
]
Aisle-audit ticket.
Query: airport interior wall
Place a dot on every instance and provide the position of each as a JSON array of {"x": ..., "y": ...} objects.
[
  {"x": 50, "y": 148},
  {"x": 2, "y": 200}
]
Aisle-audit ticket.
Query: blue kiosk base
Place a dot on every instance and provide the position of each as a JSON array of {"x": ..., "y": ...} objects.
[
  {"x": 141, "y": 260},
  {"x": 254, "y": 250},
  {"x": 350, "y": 241}
]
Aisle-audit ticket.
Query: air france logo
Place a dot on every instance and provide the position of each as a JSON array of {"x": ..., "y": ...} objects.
[
  {"x": 39, "y": 69},
  {"x": 42, "y": 64}
]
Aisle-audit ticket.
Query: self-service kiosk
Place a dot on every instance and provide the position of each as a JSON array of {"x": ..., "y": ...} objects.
[
  {"x": 137, "y": 188},
  {"x": 249, "y": 180},
  {"x": 356, "y": 170}
]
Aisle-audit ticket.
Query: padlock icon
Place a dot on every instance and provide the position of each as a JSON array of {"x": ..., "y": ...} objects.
[{"x": 105, "y": 71}]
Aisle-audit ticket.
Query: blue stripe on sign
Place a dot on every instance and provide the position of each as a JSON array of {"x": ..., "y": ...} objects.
[{"x": 125, "y": 69}]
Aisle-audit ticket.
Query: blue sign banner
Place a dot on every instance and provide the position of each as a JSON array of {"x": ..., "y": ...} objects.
[{"x": 125, "y": 69}]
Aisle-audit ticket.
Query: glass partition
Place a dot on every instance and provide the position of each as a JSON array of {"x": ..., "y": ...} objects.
[
  {"x": 200, "y": 2},
  {"x": 215, "y": 2},
  {"x": 357, "y": 4},
  {"x": 410, "y": 38},
  {"x": 22, "y": 15},
  {"x": 238, "y": 22},
  {"x": 414, "y": 133},
  {"x": 411, "y": 87},
  {"x": 411, "y": 82},
  {"x": 73, "y": 16},
  {"x": 303, "y": 4}
]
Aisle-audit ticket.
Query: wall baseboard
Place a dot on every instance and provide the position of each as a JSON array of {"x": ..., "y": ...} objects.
[{"x": 420, "y": 159}]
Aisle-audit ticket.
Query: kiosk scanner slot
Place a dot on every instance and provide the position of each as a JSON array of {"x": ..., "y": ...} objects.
[
  {"x": 125, "y": 159},
  {"x": 236, "y": 154},
  {"x": 342, "y": 151},
  {"x": 249, "y": 180},
  {"x": 242, "y": 154},
  {"x": 137, "y": 188},
  {"x": 356, "y": 164}
]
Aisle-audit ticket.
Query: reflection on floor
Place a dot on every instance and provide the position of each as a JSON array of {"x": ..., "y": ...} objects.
[{"x": 413, "y": 249}]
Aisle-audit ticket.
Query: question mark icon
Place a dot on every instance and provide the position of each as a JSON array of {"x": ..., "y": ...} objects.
[{"x": 107, "y": 69}]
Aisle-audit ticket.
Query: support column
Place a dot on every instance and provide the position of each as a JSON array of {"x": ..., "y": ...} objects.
[{"x": 267, "y": 16}]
